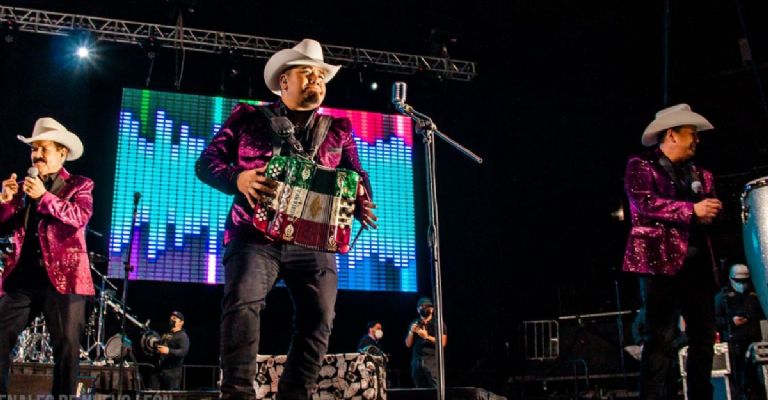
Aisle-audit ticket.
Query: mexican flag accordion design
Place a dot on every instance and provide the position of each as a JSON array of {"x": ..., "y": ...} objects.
[{"x": 313, "y": 205}]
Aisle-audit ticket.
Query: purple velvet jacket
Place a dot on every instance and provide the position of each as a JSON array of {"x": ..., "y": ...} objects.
[
  {"x": 63, "y": 219},
  {"x": 658, "y": 241},
  {"x": 245, "y": 142}
]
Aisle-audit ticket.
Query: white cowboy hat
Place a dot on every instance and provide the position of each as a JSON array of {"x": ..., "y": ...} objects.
[
  {"x": 307, "y": 52},
  {"x": 50, "y": 129},
  {"x": 671, "y": 117}
]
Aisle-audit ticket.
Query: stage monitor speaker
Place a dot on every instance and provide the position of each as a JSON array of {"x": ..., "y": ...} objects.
[
  {"x": 721, "y": 368},
  {"x": 594, "y": 342}
]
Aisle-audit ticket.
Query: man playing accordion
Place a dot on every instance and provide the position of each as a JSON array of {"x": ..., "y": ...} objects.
[{"x": 235, "y": 163}]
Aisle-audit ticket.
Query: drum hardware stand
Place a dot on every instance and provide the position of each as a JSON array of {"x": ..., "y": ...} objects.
[
  {"x": 99, "y": 344},
  {"x": 35, "y": 346},
  {"x": 429, "y": 131}
]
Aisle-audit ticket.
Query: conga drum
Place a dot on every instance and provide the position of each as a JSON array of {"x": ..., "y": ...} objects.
[{"x": 754, "y": 217}]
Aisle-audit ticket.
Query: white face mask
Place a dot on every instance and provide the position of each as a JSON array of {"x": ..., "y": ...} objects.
[
  {"x": 378, "y": 333},
  {"x": 739, "y": 287}
]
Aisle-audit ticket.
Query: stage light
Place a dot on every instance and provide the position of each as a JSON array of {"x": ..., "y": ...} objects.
[
  {"x": 374, "y": 85},
  {"x": 84, "y": 44},
  {"x": 8, "y": 29},
  {"x": 83, "y": 52},
  {"x": 149, "y": 46}
]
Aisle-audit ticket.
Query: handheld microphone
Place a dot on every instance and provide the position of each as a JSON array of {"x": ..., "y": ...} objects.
[
  {"x": 136, "y": 198},
  {"x": 399, "y": 92},
  {"x": 697, "y": 187},
  {"x": 33, "y": 172}
]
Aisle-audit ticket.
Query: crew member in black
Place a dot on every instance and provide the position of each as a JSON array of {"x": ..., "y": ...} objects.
[
  {"x": 421, "y": 337},
  {"x": 173, "y": 347},
  {"x": 371, "y": 342}
]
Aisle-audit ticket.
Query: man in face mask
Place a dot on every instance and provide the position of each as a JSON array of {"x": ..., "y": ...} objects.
[
  {"x": 421, "y": 337},
  {"x": 173, "y": 347},
  {"x": 371, "y": 342},
  {"x": 738, "y": 315}
]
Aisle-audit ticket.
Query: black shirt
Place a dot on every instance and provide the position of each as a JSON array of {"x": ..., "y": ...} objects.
[
  {"x": 366, "y": 342},
  {"x": 30, "y": 272},
  {"x": 178, "y": 347},
  {"x": 423, "y": 348}
]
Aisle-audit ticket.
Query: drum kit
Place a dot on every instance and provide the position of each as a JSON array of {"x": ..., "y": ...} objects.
[
  {"x": 754, "y": 218},
  {"x": 34, "y": 342}
]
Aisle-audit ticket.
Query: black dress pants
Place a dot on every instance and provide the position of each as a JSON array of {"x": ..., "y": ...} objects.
[{"x": 64, "y": 316}]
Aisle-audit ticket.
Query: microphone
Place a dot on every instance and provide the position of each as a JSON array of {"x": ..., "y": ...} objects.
[
  {"x": 697, "y": 187},
  {"x": 399, "y": 90},
  {"x": 33, "y": 172},
  {"x": 136, "y": 197}
]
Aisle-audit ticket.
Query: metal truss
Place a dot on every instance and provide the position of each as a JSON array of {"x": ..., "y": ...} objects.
[{"x": 113, "y": 30}]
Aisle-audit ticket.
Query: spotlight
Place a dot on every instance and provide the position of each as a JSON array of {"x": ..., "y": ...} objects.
[
  {"x": 374, "y": 85},
  {"x": 83, "y": 52},
  {"x": 84, "y": 43}
]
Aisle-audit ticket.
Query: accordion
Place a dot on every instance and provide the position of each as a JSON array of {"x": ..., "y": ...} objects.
[{"x": 313, "y": 205}]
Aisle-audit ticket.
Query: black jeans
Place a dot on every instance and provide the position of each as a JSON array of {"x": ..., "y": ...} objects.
[
  {"x": 250, "y": 271},
  {"x": 424, "y": 372},
  {"x": 64, "y": 317},
  {"x": 690, "y": 293},
  {"x": 166, "y": 378}
]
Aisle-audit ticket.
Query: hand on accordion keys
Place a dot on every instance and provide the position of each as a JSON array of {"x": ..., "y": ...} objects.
[
  {"x": 255, "y": 186},
  {"x": 366, "y": 216}
]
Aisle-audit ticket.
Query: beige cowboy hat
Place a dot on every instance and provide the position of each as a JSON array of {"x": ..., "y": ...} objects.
[
  {"x": 307, "y": 52},
  {"x": 671, "y": 117},
  {"x": 49, "y": 129}
]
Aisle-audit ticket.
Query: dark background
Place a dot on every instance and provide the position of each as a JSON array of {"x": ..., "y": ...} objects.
[{"x": 563, "y": 92}]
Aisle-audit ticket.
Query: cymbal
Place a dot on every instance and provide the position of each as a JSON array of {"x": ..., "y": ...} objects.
[{"x": 96, "y": 258}]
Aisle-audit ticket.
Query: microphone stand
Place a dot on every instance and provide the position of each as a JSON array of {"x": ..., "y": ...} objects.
[
  {"x": 125, "y": 343},
  {"x": 428, "y": 130}
]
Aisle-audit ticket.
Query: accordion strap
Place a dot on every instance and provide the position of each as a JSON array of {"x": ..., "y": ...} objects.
[{"x": 285, "y": 133}]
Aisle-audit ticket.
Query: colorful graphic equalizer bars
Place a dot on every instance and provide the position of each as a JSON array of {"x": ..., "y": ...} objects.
[{"x": 180, "y": 221}]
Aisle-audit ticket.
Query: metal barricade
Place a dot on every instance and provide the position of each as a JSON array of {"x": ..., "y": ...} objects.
[{"x": 542, "y": 339}]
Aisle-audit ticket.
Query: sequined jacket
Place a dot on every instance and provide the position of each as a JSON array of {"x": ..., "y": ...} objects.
[
  {"x": 658, "y": 241},
  {"x": 245, "y": 142},
  {"x": 64, "y": 213}
]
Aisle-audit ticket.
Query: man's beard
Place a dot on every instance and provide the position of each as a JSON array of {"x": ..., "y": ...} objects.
[{"x": 311, "y": 98}]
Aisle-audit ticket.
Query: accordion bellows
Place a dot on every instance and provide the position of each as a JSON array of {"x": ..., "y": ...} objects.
[{"x": 313, "y": 206}]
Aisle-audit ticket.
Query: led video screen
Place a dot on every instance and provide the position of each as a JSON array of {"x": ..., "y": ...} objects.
[{"x": 180, "y": 220}]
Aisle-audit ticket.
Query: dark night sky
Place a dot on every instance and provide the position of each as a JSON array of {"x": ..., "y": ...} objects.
[{"x": 564, "y": 90}]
